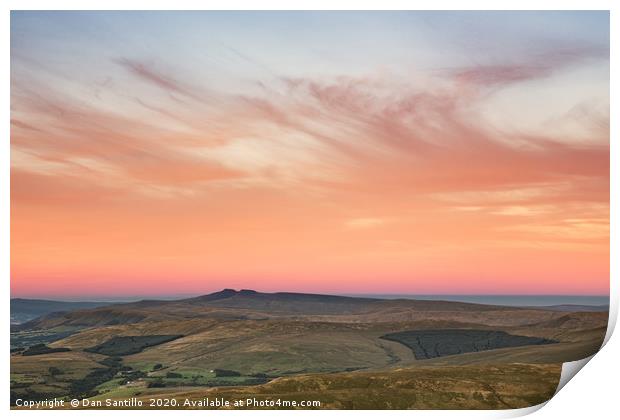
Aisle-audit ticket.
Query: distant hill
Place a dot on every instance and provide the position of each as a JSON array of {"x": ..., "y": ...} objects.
[
  {"x": 575, "y": 308},
  {"x": 230, "y": 304},
  {"x": 23, "y": 310}
]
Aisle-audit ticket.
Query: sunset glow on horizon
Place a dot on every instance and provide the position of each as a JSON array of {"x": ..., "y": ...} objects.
[{"x": 168, "y": 153}]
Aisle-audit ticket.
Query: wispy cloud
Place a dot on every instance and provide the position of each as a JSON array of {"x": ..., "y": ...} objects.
[
  {"x": 151, "y": 75},
  {"x": 365, "y": 222},
  {"x": 534, "y": 66},
  {"x": 369, "y": 172}
]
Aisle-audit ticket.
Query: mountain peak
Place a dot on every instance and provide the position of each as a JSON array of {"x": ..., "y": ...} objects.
[
  {"x": 224, "y": 294},
  {"x": 247, "y": 292}
]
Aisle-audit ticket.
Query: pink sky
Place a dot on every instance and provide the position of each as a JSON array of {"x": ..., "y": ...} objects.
[{"x": 177, "y": 166}]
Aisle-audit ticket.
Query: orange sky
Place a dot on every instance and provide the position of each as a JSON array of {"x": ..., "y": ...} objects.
[{"x": 148, "y": 177}]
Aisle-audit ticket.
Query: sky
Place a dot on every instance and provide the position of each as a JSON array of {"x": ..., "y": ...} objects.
[{"x": 169, "y": 153}]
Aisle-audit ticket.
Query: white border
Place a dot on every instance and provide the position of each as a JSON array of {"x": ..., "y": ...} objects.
[
  {"x": 309, "y": 5},
  {"x": 593, "y": 395}
]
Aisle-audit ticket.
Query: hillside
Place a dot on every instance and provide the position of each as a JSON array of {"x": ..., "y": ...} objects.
[
  {"x": 23, "y": 310},
  {"x": 229, "y": 304},
  {"x": 265, "y": 341},
  {"x": 499, "y": 386}
]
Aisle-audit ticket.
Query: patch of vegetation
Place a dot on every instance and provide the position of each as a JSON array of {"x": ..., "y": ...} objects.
[
  {"x": 43, "y": 349},
  {"x": 219, "y": 373},
  {"x": 85, "y": 387},
  {"x": 206, "y": 379},
  {"x": 125, "y": 345},
  {"x": 133, "y": 375},
  {"x": 428, "y": 344},
  {"x": 28, "y": 338},
  {"x": 157, "y": 383},
  {"x": 111, "y": 361},
  {"x": 53, "y": 370}
]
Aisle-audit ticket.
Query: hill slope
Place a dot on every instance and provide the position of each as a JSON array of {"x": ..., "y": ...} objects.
[
  {"x": 229, "y": 304},
  {"x": 331, "y": 347},
  {"x": 23, "y": 310}
]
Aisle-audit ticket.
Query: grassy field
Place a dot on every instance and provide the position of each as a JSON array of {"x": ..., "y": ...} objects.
[
  {"x": 50, "y": 374},
  {"x": 270, "y": 347},
  {"x": 263, "y": 350},
  {"x": 464, "y": 387}
]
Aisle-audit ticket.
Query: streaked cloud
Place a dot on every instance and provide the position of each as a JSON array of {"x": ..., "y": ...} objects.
[
  {"x": 365, "y": 222},
  {"x": 228, "y": 153}
]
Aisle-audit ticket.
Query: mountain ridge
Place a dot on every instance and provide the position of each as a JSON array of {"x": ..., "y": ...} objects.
[{"x": 246, "y": 304}]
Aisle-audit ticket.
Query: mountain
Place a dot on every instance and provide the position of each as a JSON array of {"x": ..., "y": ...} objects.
[{"x": 230, "y": 304}]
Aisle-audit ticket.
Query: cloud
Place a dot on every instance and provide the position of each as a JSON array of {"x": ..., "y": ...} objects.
[
  {"x": 365, "y": 223},
  {"x": 19, "y": 124},
  {"x": 536, "y": 65},
  {"x": 420, "y": 140},
  {"x": 499, "y": 74},
  {"x": 64, "y": 137},
  {"x": 151, "y": 75},
  {"x": 337, "y": 140},
  {"x": 521, "y": 211}
]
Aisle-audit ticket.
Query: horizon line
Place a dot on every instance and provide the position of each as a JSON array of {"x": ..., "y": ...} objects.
[{"x": 127, "y": 298}]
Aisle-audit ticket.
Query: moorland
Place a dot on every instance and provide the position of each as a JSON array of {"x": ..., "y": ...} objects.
[{"x": 346, "y": 352}]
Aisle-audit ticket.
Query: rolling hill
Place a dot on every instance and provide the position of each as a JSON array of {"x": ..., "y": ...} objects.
[
  {"x": 229, "y": 304},
  {"x": 281, "y": 338}
]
